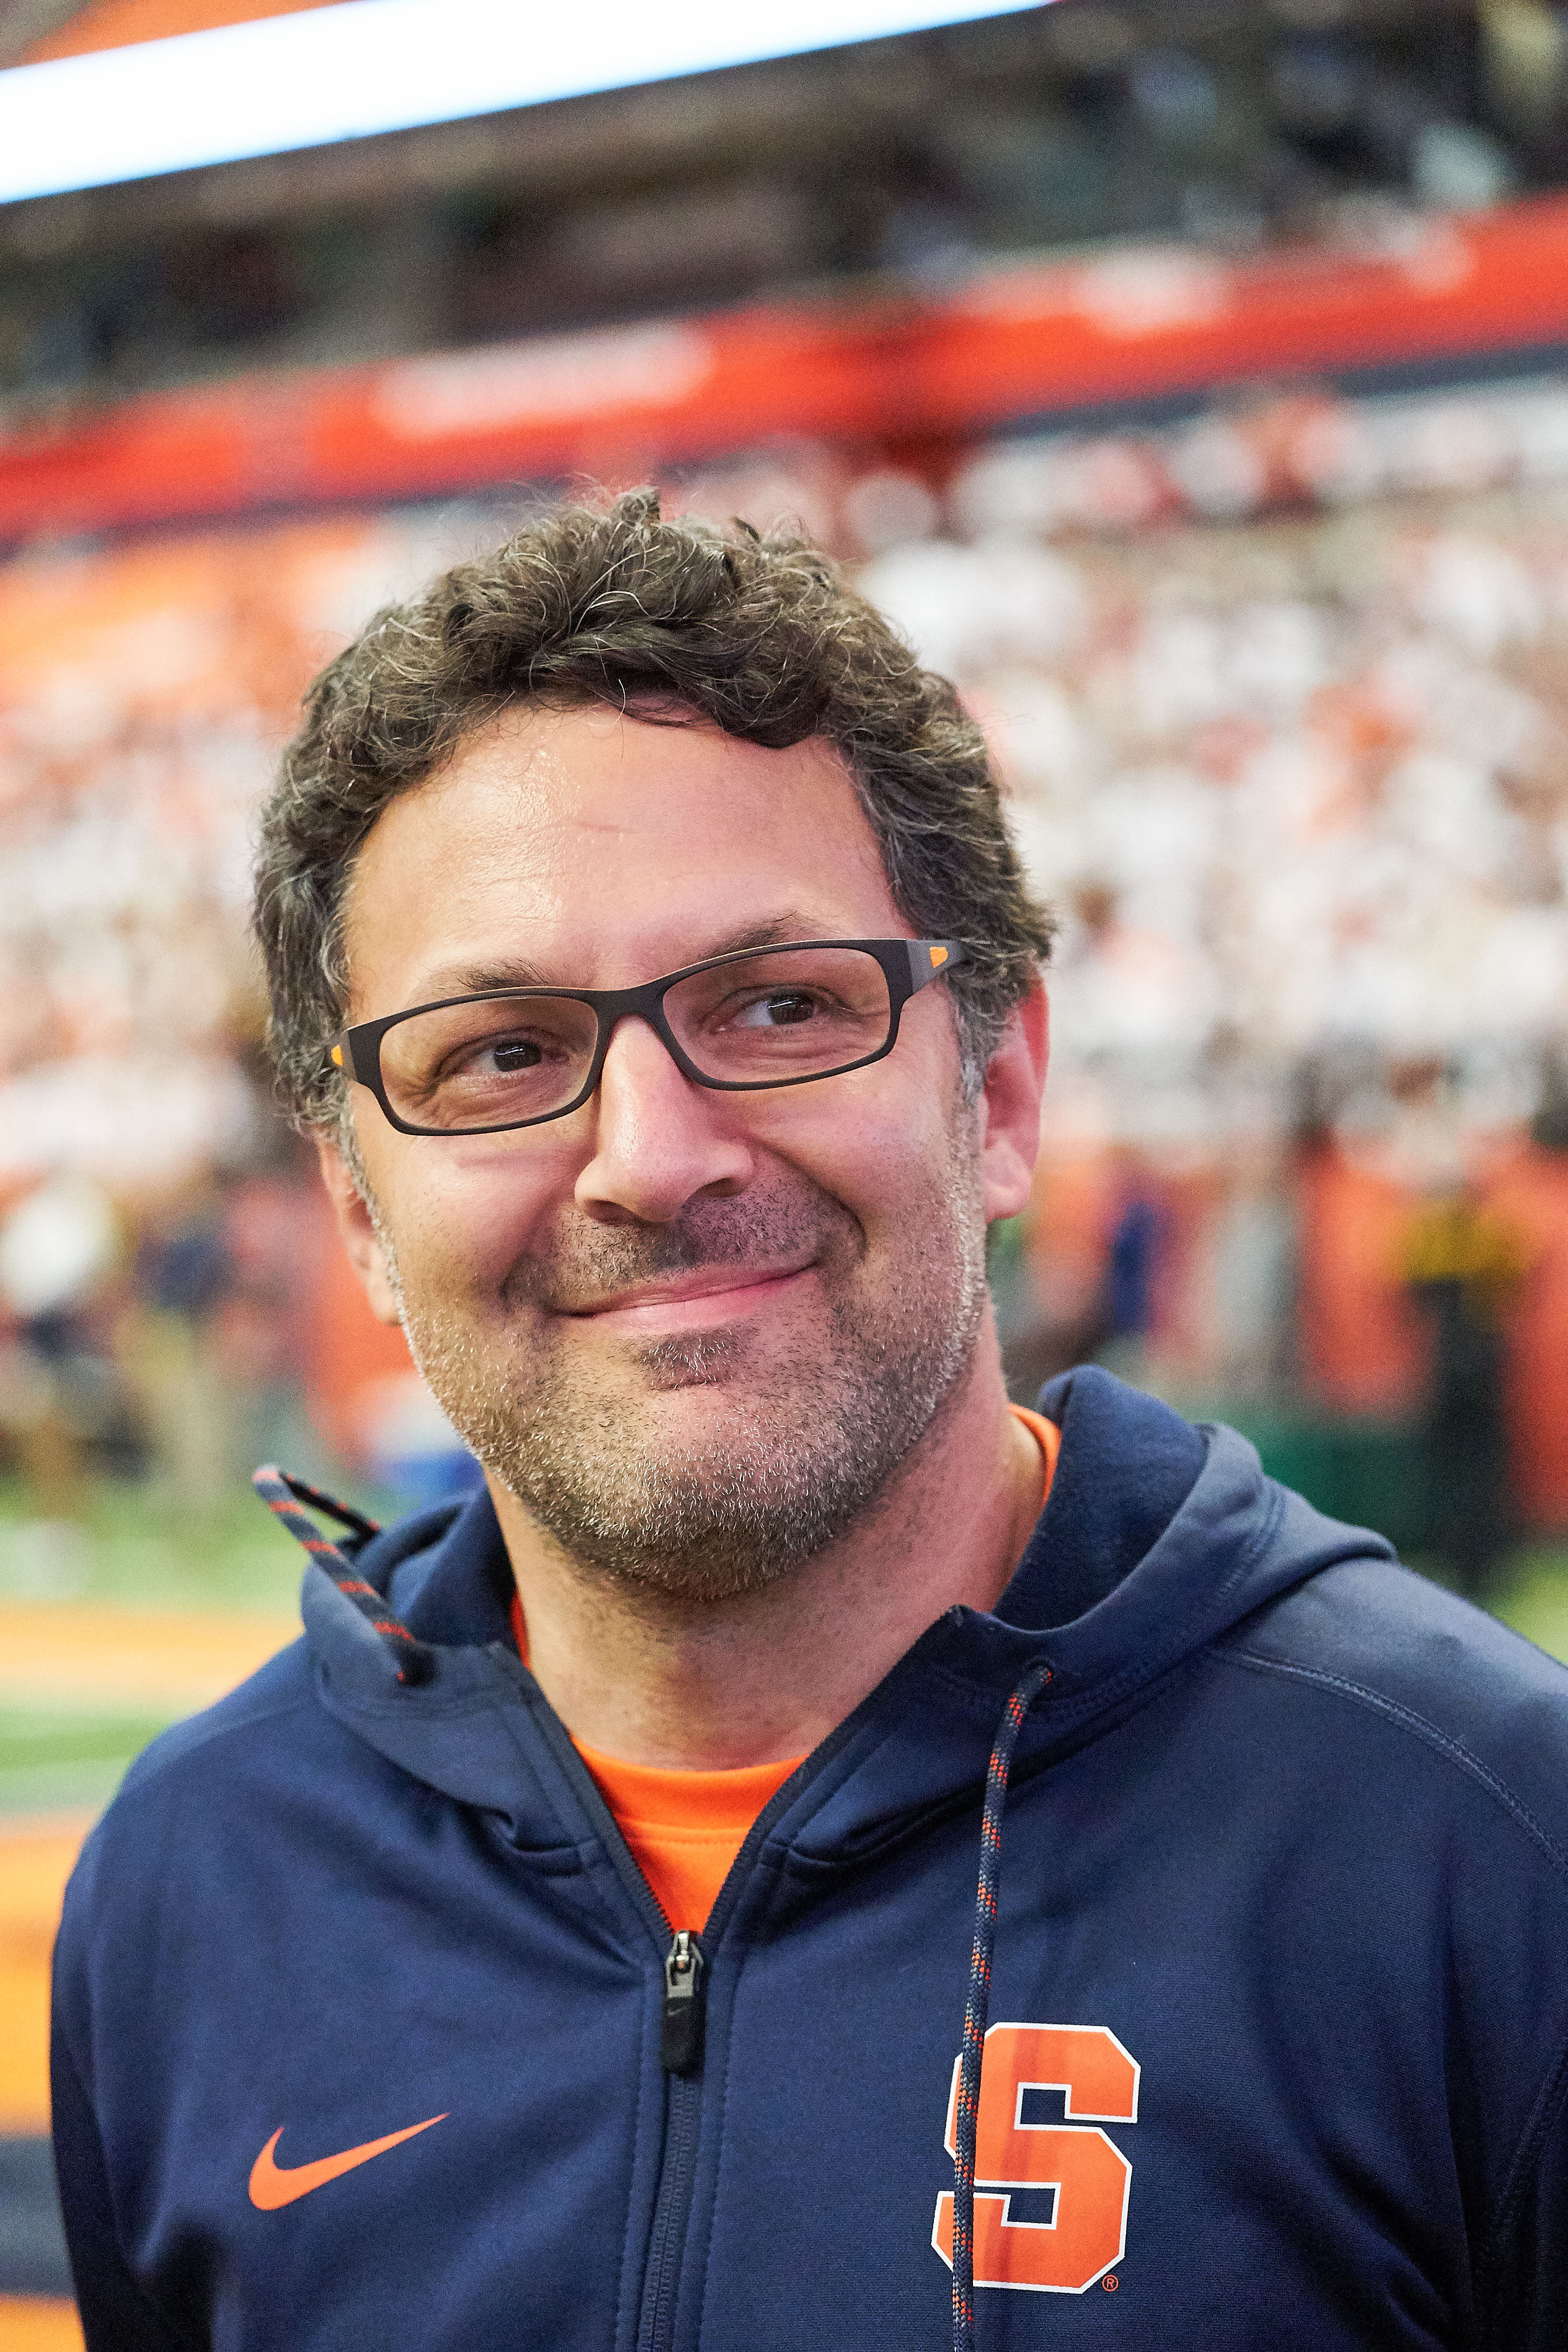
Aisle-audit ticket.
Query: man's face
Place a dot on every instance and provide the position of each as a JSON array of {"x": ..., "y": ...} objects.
[{"x": 692, "y": 1332}]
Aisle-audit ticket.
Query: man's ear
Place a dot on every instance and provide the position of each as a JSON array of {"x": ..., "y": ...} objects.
[
  {"x": 356, "y": 1231},
  {"x": 1009, "y": 1106}
]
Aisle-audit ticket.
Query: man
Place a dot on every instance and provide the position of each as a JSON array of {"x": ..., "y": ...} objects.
[{"x": 572, "y": 1941}]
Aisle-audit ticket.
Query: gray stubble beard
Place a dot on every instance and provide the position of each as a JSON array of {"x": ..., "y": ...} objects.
[{"x": 799, "y": 1458}]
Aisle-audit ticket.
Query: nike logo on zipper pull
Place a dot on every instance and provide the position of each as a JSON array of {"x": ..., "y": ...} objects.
[
  {"x": 273, "y": 2185},
  {"x": 680, "y": 2033}
]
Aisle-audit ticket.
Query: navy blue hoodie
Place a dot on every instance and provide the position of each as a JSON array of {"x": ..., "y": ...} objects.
[{"x": 1279, "y": 2003}]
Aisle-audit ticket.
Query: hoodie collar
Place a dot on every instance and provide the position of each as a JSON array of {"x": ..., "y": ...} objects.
[{"x": 1158, "y": 1539}]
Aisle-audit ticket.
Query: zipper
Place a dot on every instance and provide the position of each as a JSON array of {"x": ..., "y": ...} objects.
[
  {"x": 680, "y": 2055},
  {"x": 681, "y": 2035},
  {"x": 655, "y": 2325},
  {"x": 681, "y": 2040},
  {"x": 681, "y": 2032}
]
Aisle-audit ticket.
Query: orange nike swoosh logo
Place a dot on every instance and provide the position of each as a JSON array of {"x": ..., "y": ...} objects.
[{"x": 273, "y": 2185}]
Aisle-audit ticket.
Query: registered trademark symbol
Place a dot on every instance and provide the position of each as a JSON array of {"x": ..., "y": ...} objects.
[{"x": 1110, "y": 2283}]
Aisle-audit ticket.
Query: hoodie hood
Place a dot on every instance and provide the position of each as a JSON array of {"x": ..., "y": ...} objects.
[{"x": 1159, "y": 1539}]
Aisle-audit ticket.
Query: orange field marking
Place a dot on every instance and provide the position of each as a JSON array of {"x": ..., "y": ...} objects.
[
  {"x": 78, "y": 1653},
  {"x": 36, "y": 2323},
  {"x": 36, "y": 1860}
]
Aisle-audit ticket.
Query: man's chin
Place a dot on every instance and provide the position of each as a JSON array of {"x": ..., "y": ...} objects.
[
  {"x": 700, "y": 1506},
  {"x": 689, "y": 1360}
]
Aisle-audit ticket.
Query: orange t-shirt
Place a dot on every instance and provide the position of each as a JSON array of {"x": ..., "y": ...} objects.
[{"x": 685, "y": 1828}]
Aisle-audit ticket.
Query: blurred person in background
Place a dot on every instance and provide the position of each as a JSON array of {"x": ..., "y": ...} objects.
[
  {"x": 1251, "y": 1272},
  {"x": 260, "y": 1308},
  {"x": 575, "y": 1939},
  {"x": 184, "y": 1274},
  {"x": 1527, "y": 1188},
  {"x": 1367, "y": 1156},
  {"x": 1464, "y": 1266},
  {"x": 61, "y": 1250},
  {"x": 1132, "y": 1268}
]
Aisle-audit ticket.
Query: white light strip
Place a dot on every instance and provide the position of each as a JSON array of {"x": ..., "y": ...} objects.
[{"x": 369, "y": 66}]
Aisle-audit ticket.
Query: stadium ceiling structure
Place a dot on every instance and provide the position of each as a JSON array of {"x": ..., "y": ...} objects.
[
  {"x": 314, "y": 77},
  {"x": 901, "y": 163}
]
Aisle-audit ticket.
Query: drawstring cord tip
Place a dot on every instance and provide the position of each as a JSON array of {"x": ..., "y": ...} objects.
[{"x": 282, "y": 1494}]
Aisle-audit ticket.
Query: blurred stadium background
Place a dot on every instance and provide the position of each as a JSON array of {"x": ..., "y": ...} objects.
[{"x": 1190, "y": 380}]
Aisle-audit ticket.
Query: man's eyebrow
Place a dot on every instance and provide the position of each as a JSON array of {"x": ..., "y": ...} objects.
[
  {"x": 517, "y": 972},
  {"x": 478, "y": 979},
  {"x": 769, "y": 934}
]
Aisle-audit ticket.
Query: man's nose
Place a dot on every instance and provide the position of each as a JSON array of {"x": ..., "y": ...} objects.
[{"x": 659, "y": 1140}]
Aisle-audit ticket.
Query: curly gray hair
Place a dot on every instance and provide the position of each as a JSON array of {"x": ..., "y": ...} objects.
[{"x": 612, "y": 603}]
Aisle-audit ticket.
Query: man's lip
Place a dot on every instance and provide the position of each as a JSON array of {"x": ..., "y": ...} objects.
[{"x": 712, "y": 1282}]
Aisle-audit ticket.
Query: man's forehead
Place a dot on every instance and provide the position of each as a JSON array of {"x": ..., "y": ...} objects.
[
  {"x": 599, "y": 769},
  {"x": 552, "y": 833}
]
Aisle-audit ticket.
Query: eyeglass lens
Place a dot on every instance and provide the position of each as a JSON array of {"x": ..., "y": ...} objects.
[{"x": 758, "y": 1020}]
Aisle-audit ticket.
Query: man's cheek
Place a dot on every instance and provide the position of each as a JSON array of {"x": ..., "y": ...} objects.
[{"x": 461, "y": 1247}]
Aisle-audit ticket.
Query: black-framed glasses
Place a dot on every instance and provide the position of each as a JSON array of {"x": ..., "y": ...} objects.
[{"x": 762, "y": 1017}]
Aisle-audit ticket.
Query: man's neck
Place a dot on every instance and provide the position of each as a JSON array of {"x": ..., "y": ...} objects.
[{"x": 695, "y": 1686}]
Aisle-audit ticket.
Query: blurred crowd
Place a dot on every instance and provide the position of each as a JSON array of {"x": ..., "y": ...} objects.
[{"x": 1277, "y": 695}]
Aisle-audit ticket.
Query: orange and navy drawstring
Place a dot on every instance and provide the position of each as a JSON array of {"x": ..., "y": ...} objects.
[
  {"x": 979, "y": 2003},
  {"x": 279, "y": 1490}
]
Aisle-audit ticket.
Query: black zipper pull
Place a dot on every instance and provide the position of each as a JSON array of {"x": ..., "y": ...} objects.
[{"x": 680, "y": 2038}]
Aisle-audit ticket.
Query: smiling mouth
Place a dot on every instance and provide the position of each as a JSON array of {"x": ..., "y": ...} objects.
[{"x": 695, "y": 1297}]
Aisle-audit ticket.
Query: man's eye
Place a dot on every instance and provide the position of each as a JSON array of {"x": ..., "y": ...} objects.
[
  {"x": 492, "y": 1058},
  {"x": 782, "y": 1010},
  {"x": 517, "y": 1054}
]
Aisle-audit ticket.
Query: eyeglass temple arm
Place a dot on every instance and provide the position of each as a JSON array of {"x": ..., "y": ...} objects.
[{"x": 930, "y": 957}]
